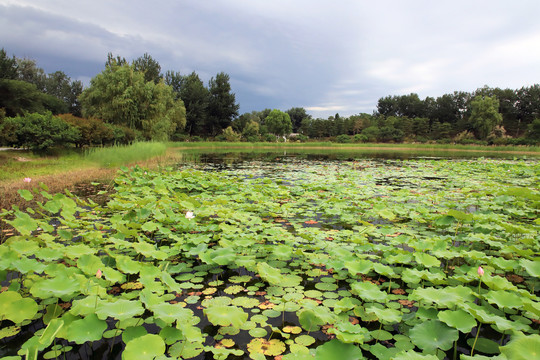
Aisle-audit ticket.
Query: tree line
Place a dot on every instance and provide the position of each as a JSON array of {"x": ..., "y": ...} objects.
[{"x": 135, "y": 100}]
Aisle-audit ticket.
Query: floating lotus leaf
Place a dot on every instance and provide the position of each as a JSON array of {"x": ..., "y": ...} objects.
[
  {"x": 292, "y": 329},
  {"x": 89, "y": 264},
  {"x": 532, "y": 267},
  {"x": 172, "y": 312},
  {"x": 381, "y": 335},
  {"x": 144, "y": 347},
  {"x": 386, "y": 316},
  {"x": 458, "y": 319},
  {"x": 269, "y": 273},
  {"x": 9, "y": 331},
  {"x": 412, "y": 355},
  {"x": 221, "y": 353},
  {"x": 245, "y": 302},
  {"x": 326, "y": 286},
  {"x": 337, "y": 350},
  {"x": 484, "y": 345},
  {"x": 127, "y": 265},
  {"x": 60, "y": 286},
  {"x": 356, "y": 267},
  {"x": 432, "y": 335},
  {"x": 88, "y": 329},
  {"x": 310, "y": 320},
  {"x": 382, "y": 352},
  {"x": 504, "y": 299},
  {"x": 426, "y": 259},
  {"x": 272, "y": 347},
  {"x": 305, "y": 340},
  {"x": 226, "y": 315},
  {"x": 133, "y": 332},
  {"x": 240, "y": 279},
  {"x": 345, "y": 304},
  {"x": 368, "y": 291},
  {"x": 258, "y": 332},
  {"x": 234, "y": 289},
  {"x": 120, "y": 309},
  {"x": 522, "y": 347},
  {"x": 170, "y": 335},
  {"x": 16, "y": 308},
  {"x": 443, "y": 297},
  {"x": 229, "y": 330}
]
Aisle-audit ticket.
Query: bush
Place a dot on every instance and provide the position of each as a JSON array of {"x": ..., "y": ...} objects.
[
  {"x": 298, "y": 137},
  {"x": 360, "y": 138},
  {"x": 343, "y": 139},
  {"x": 39, "y": 132},
  {"x": 269, "y": 138},
  {"x": 196, "y": 139},
  {"x": 252, "y": 139},
  {"x": 179, "y": 137},
  {"x": 93, "y": 131}
]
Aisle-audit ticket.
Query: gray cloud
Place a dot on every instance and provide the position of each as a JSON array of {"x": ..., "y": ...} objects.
[{"x": 327, "y": 57}]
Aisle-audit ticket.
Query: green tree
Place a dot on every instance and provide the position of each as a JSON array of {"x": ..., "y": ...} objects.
[
  {"x": 195, "y": 97},
  {"x": 19, "y": 97},
  {"x": 278, "y": 123},
  {"x": 231, "y": 135},
  {"x": 92, "y": 131},
  {"x": 222, "y": 106},
  {"x": 533, "y": 130},
  {"x": 174, "y": 80},
  {"x": 120, "y": 95},
  {"x": 28, "y": 71},
  {"x": 484, "y": 115},
  {"x": 149, "y": 67},
  {"x": 251, "y": 130},
  {"x": 8, "y": 66},
  {"x": 58, "y": 84},
  {"x": 297, "y": 115},
  {"x": 39, "y": 132}
]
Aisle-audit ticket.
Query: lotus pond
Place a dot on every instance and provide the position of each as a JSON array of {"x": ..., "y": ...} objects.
[{"x": 284, "y": 259}]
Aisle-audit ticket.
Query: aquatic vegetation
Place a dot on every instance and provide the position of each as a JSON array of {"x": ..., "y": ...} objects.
[{"x": 416, "y": 259}]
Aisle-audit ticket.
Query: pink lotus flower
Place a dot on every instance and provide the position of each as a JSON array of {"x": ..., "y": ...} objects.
[
  {"x": 27, "y": 180},
  {"x": 480, "y": 271},
  {"x": 99, "y": 274}
]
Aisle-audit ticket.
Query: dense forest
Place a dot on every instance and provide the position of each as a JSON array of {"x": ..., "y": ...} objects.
[{"x": 135, "y": 100}]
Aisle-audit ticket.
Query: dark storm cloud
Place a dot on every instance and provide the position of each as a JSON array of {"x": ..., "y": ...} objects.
[{"x": 325, "y": 56}]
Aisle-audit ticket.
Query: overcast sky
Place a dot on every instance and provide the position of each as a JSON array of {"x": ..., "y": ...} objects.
[{"x": 326, "y": 56}]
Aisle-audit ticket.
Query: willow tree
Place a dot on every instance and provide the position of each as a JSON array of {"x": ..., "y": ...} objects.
[
  {"x": 120, "y": 95},
  {"x": 485, "y": 115}
]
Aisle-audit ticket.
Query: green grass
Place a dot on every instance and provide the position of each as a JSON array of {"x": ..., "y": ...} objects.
[{"x": 122, "y": 155}]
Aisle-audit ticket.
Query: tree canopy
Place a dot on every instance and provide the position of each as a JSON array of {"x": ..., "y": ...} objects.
[{"x": 121, "y": 95}]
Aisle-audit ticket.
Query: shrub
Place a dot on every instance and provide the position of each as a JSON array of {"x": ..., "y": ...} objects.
[
  {"x": 343, "y": 139},
  {"x": 360, "y": 138},
  {"x": 39, "y": 132}
]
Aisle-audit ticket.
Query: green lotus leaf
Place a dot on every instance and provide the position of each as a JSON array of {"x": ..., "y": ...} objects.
[
  {"x": 220, "y": 256},
  {"x": 133, "y": 332},
  {"x": 16, "y": 308},
  {"x": 326, "y": 286},
  {"x": 382, "y": 352},
  {"x": 171, "y": 335},
  {"x": 172, "y": 312},
  {"x": 226, "y": 315},
  {"x": 443, "y": 297},
  {"x": 426, "y": 259},
  {"x": 9, "y": 331},
  {"x": 88, "y": 329},
  {"x": 282, "y": 252},
  {"x": 23, "y": 223},
  {"x": 233, "y": 289},
  {"x": 356, "y": 267},
  {"x": 245, "y": 302},
  {"x": 498, "y": 283},
  {"x": 149, "y": 250},
  {"x": 384, "y": 270},
  {"x": 310, "y": 320},
  {"x": 270, "y": 274},
  {"x": 458, "y": 319},
  {"x": 386, "y": 316},
  {"x": 432, "y": 335},
  {"x": 89, "y": 264},
  {"x": 62, "y": 286},
  {"x": 144, "y": 347},
  {"x": 345, "y": 304},
  {"x": 522, "y": 347},
  {"x": 532, "y": 267},
  {"x": 127, "y": 265},
  {"x": 258, "y": 332},
  {"x": 298, "y": 352},
  {"x": 170, "y": 282},
  {"x": 504, "y": 299},
  {"x": 25, "y": 247},
  {"x": 120, "y": 309},
  {"x": 368, "y": 291},
  {"x": 412, "y": 355},
  {"x": 484, "y": 345},
  {"x": 305, "y": 340},
  {"x": 337, "y": 350}
]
